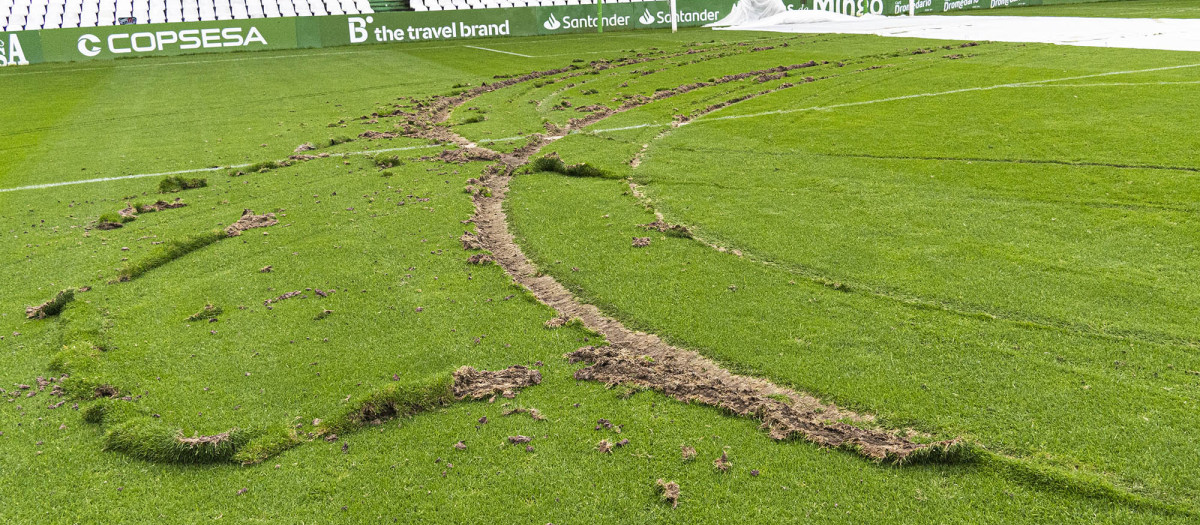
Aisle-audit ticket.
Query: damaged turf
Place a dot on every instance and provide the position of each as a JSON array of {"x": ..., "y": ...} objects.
[
  {"x": 477, "y": 384},
  {"x": 250, "y": 221}
]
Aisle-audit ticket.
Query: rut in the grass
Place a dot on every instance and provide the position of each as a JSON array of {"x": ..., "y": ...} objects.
[{"x": 645, "y": 360}]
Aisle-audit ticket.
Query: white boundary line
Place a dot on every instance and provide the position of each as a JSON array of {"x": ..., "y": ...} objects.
[
  {"x": 499, "y": 51},
  {"x": 201, "y": 170},
  {"x": 1032, "y": 83}
]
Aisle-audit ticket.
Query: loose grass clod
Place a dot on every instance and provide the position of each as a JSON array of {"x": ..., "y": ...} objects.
[
  {"x": 668, "y": 491},
  {"x": 175, "y": 183},
  {"x": 52, "y": 307},
  {"x": 168, "y": 252},
  {"x": 208, "y": 312}
]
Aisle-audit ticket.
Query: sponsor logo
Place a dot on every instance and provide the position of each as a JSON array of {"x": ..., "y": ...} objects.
[
  {"x": 902, "y": 6},
  {"x": 122, "y": 43},
  {"x": 361, "y": 31},
  {"x": 850, "y": 7},
  {"x": 572, "y": 22},
  {"x": 646, "y": 18},
  {"x": 11, "y": 52},
  {"x": 685, "y": 17},
  {"x": 1006, "y": 3},
  {"x": 953, "y": 5}
]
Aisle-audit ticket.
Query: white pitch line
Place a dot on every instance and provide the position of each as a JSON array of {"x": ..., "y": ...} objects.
[
  {"x": 499, "y": 51},
  {"x": 1032, "y": 83},
  {"x": 198, "y": 170}
]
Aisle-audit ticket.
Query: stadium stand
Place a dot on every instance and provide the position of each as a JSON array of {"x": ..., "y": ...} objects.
[{"x": 28, "y": 15}]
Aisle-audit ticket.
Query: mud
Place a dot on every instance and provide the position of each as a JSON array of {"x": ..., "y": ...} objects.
[
  {"x": 476, "y": 384},
  {"x": 668, "y": 491},
  {"x": 249, "y": 221}
]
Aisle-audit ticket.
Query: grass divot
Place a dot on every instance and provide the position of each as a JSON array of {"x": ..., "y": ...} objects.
[
  {"x": 168, "y": 252},
  {"x": 52, "y": 307},
  {"x": 152, "y": 440},
  {"x": 668, "y": 491},
  {"x": 175, "y": 183},
  {"x": 208, "y": 312}
]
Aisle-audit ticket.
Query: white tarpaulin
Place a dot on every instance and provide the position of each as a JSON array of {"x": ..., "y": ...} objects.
[{"x": 1137, "y": 33}]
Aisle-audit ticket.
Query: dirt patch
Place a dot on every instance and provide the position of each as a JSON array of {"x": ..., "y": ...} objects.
[
  {"x": 480, "y": 259},
  {"x": 688, "y": 453},
  {"x": 668, "y": 491},
  {"x": 677, "y": 230},
  {"x": 375, "y": 135},
  {"x": 249, "y": 221},
  {"x": 464, "y": 155},
  {"x": 644, "y": 360},
  {"x": 470, "y": 241},
  {"x": 533, "y": 413},
  {"x": 641, "y": 242},
  {"x": 516, "y": 440},
  {"x": 722, "y": 463},
  {"x": 690, "y": 378},
  {"x": 106, "y": 390},
  {"x": 52, "y": 307},
  {"x": 604, "y": 446},
  {"x": 198, "y": 441},
  {"x": 307, "y": 146},
  {"x": 476, "y": 384}
]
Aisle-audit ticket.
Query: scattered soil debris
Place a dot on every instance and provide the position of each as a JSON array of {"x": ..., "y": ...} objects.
[
  {"x": 197, "y": 440},
  {"x": 533, "y": 413},
  {"x": 322, "y": 315},
  {"x": 677, "y": 230},
  {"x": 460, "y": 445},
  {"x": 480, "y": 259},
  {"x": 754, "y": 473},
  {"x": 307, "y": 146},
  {"x": 641, "y": 242},
  {"x": 688, "y": 453},
  {"x": 722, "y": 463},
  {"x": 604, "y": 423},
  {"x": 668, "y": 491},
  {"x": 470, "y": 241},
  {"x": 516, "y": 440},
  {"x": 374, "y": 135},
  {"x": 476, "y": 384},
  {"x": 250, "y": 221},
  {"x": 604, "y": 446},
  {"x": 266, "y": 269},
  {"x": 52, "y": 307},
  {"x": 689, "y": 377},
  {"x": 556, "y": 322}
]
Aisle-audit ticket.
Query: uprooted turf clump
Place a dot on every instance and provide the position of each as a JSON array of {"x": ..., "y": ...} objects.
[
  {"x": 176, "y": 183},
  {"x": 112, "y": 221},
  {"x": 208, "y": 312},
  {"x": 552, "y": 163},
  {"x": 52, "y": 307},
  {"x": 668, "y": 491},
  {"x": 150, "y": 439},
  {"x": 168, "y": 252}
]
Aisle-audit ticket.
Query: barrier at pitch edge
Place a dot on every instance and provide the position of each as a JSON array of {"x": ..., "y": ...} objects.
[
  {"x": 100, "y": 43},
  {"x": 922, "y": 7}
]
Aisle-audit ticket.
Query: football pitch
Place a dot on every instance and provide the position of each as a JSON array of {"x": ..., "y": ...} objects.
[{"x": 780, "y": 278}]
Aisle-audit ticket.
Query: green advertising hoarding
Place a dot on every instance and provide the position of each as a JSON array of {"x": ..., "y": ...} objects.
[
  {"x": 109, "y": 42},
  {"x": 99, "y": 43}
]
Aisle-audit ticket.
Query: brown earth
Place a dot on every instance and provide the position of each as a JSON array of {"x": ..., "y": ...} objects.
[
  {"x": 476, "y": 384},
  {"x": 250, "y": 221}
]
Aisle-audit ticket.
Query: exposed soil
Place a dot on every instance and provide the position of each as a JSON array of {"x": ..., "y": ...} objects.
[
  {"x": 722, "y": 463},
  {"x": 641, "y": 242},
  {"x": 197, "y": 441},
  {"x": 673, "y": 229},
  {"x": 250, "y": 221},
  {"x": 688, "y": 453},
  {"x": 641, "y": 359},
  {"x": 668, "y": 491},
  {"x": 476, "y": 384},
  {"x": 533, "y": 413}
]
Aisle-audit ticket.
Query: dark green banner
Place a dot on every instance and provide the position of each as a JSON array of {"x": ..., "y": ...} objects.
[{"x": 96, "y": 43}]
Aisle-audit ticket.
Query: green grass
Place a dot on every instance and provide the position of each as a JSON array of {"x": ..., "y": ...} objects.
[
  {"x": 1102, "y": 8},
  {"x": 1062, "y": 357}
]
